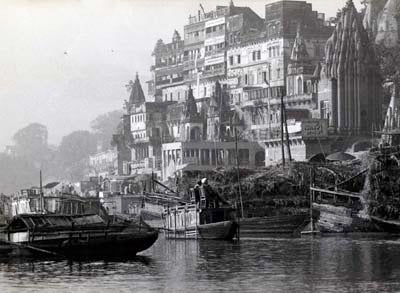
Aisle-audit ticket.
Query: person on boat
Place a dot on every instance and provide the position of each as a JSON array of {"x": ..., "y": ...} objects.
[
  {"x": 213, "y": 199},
  {"x": 197, "y": 192}
]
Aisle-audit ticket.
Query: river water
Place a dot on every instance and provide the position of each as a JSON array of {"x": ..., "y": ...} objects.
[{"x": 327, "y": 264}]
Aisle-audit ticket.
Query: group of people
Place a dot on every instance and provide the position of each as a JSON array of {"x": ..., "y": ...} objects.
[{"x": 204, "y": 192}]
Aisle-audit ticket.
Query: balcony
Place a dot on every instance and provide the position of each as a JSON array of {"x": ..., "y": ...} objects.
[
  {"x": 146, "y": 163},
  {"x": 213, "y": 72},
  {"x": 215, "y": 53},
  {"x": 169, "y": 81},
  {"x": 215, "y": 34},
  {"x": 189, "y": 64}
]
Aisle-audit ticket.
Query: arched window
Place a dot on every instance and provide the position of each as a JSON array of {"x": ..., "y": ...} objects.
[{"x": 299, "y": 86}]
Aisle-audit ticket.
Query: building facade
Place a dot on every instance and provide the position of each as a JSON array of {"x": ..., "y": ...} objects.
[{"x": 235, "y": 73}]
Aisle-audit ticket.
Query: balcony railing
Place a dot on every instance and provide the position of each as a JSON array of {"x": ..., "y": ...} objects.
[
  {"x": 214, "y": 52},
  {"x": 213, "y": 72},
  {"x": 140, "y": 164},
  {"x": 169, "y": 81},
  {"x": 215, "y": 34}
]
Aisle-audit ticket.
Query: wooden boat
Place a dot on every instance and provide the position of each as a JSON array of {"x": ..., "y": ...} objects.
[
  {"x": 261, "y": 227},
  {"x": 390, "y": 226},
  {"x": 188, "y": 221},
  {"x": 340, "y": 211},
  {"x": 75, "y": 236}
]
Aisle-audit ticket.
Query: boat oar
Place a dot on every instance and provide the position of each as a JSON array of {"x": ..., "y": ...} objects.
[{"x": 33, "y": 248}]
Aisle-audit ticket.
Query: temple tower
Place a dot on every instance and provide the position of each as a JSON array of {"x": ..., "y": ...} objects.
[{"x": 351, "y": 64}]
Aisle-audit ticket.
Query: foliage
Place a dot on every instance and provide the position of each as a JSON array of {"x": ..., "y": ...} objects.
[
  {"x": 104, "y": 126},
  {"x": 72, "y": 154},
  {"x": 76, "y": 146},
  {"x": 31, "y": 142},
  {"x": 389, "y": 61}
]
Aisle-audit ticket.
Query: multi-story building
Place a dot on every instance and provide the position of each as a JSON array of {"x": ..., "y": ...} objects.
[
  {"x": 206, "y": 39},
  {"x": 342, "y": 94},
  {"x": 103, "y": 163},
  {"x": 193, "y": 150},
  {"x": 167, "y": 70},
  {"x": 139, "y": 146},
  {"x": 258, "y": 65},
  {"x": 235, "y": 71}
]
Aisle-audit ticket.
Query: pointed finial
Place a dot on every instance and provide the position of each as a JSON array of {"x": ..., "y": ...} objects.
[{"x": 231, "y": 4}]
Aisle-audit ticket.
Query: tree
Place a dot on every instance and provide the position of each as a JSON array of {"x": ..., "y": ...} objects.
[
  {"x": 31, "y": 142},
  {"x": 389, "y": 63},
  {"x": 73, "y": 153},
  {"x": 76, "y": 146},
  {"x": 104, "y": 126}
]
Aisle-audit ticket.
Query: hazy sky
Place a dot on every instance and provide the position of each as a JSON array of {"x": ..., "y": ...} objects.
[{"x": 63, "y": 62}]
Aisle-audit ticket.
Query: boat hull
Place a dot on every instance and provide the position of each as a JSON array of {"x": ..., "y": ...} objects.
[
  {"x": 386, "y": 225},
  {"x": 225, "y": 230},
  {"x": 261, "y": 227},
  {"x": 76, "y": 236},
  {"x": 339, "y": 219},
  {"x": 106, "y": 245}
]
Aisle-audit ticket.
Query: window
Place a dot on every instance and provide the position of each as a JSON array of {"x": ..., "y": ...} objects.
[
  {"x": 205, "y": 91},
  {"x": 278, "y": 73},
  {"x": 230, "y": 60},
  {"x": 258, "y": 55},
  {"x": 179, "y": 95},
  {"x": 170, "y": 96},
  {"x": 166, "y": 97},
  {"x": 254, "y": 55},
  {"x": 246, "y": 79},
  {"x": 238, "y": 59},
  {"x": 324, "y": 109},
  {"x": 264, "y": 76},
  {"x": 299, "y": 86}
]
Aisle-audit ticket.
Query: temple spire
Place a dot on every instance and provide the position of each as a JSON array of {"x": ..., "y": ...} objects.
[
  {"x": 137, "y": 95},
  {"x": 299, "y": 51}
]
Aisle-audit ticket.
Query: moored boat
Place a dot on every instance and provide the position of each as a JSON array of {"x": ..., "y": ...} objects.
[
  {"x": 261, "y": 227},
  {"x": 340, "y": 211},
  {"x": 191, "y": 222},
  {"x": 75, "y": 236}
]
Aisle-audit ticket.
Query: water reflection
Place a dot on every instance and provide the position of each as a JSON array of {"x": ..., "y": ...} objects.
[{"x": 333, "y": 264}]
